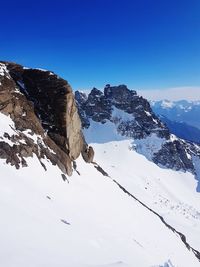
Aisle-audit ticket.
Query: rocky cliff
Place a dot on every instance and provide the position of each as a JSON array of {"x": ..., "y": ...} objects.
[
  {"x": 47, "y": 123},
  {"x": 133, "y": 118}
]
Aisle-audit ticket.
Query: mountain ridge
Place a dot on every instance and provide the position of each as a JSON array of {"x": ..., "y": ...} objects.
[{"x": 131, "y": 116}]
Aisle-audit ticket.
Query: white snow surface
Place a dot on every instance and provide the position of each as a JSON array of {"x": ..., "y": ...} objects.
[
  {"x": 102, "y": 133},
  {"x": 106, "y": 132},
  {"x": 89, "y": 221},
  {"x": 121, "y": 115},
  {"x": 6, "y": 125},
  {"x": 4, "y": 71},
  {"x": 167, "y": 104},
  {"x": 149, "y": 145}
]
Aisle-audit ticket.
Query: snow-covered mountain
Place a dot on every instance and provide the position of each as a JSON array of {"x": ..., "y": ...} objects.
[
  {"x": 180, "y": 111},
  {"x": 123, "y": 114},
  {"x": 179, "y": 108},
  {"x": 181, "y": 117},
  {"x": 182, "y": 129},
  {"x": 114, "y": 208}
]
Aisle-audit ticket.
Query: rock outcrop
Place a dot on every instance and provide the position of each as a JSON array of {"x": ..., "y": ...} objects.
[{"x": 42, "y": 103}]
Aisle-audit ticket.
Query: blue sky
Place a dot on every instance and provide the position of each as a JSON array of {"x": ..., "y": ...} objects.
[{"x": 147, "y": 44}]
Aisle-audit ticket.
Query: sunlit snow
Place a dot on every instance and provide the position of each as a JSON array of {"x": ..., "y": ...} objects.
[{"x": 90, "y": 221}]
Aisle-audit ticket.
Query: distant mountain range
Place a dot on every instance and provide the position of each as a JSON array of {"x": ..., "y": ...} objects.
[
  {"x": 182, "y": 130},
  {"x": 181, "y": 117}
]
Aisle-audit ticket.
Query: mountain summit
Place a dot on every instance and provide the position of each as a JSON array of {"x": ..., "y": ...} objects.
[{"x": 127, "y": 115}]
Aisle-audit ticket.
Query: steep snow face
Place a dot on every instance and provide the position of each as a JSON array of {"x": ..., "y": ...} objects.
[
  {"x": 3, "y": 70},
  {"x": 172, "y": 194},
  {"x": 3, "y": 73},
  {"x": 149, "y": 145},
  {"x": 98, "y": 133},
  {"x": 7, "y": 125},
  {"x": 93, "y": 220}
]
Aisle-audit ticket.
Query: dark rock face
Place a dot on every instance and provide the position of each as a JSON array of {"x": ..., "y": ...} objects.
[
  {"x": 99, "y": 106},
  {"x": 174, "y": 154},
  {"x": 81, "y": 99},
  {"x": 140, "y": 123},
  {"x": 121, "y": 97},
  {"x": 96, "y": 106},
  {"x": 43, "y": 103}
]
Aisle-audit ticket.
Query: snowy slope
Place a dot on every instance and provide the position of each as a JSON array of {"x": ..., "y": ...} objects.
[
  {"x": 89, "y": 220},
  {"x": 171, "y": 193}
]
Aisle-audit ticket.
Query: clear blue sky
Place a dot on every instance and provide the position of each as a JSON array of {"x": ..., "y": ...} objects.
[{"x": 144, "y": 43}]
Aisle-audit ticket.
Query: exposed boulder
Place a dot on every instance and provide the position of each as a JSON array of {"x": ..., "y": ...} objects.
[{"x": 88, "y": 154}]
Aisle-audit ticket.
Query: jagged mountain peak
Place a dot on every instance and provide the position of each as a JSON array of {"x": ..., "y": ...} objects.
[
  {"x": 99, "y": 106},
  {"x": 130, "y": 116}
]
